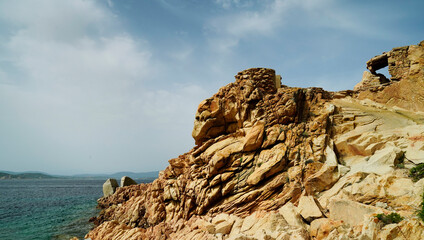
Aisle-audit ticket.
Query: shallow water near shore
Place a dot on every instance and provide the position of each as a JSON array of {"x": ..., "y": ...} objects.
[{"x": 47, "y": 208}]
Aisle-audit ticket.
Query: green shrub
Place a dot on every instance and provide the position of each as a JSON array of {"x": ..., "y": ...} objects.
[
  {"x": 420, "y": 212},
  {"x": 417, "y": 172},
  {"x": 389, "y": 219},
  {"x": 400, "y": 166}
]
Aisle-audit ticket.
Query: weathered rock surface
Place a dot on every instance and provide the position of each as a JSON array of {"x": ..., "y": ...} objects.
[
  {"x": 406, "y": 68},
  {"x": 127, "y": 181},
  {"x": 370, "y": 80},
  {"x": 274, "y": 162},
  {"x": 109, "y": 187},
  {"x": 309, "y": 208}
]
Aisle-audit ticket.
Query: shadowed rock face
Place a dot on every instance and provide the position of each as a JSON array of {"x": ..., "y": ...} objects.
[
  {"x": 271, "y": 160},
  {"x": 378, "y": 62}
]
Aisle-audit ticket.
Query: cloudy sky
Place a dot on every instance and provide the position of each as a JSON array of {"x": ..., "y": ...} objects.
[{"x": 107, "y": 85}]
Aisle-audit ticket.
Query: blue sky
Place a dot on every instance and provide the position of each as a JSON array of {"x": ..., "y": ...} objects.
[{"x": 107, "y": 85}]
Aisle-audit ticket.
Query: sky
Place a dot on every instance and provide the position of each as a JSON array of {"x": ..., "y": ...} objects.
[{"x": 102, "y": 86}]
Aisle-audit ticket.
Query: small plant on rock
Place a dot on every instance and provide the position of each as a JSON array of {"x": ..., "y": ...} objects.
[
  {"x": 417, "y": 172},
  {"x": 400, "y": 166},
  {"x": 420, "y": 212},
  {"x": 389, "y": 219},
  {"x": 400, "y": 161}
]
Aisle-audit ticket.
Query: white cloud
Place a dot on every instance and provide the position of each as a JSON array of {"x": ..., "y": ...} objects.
[
  {"x": 246, "y": 22},
  {"x": 226, "y": 31},
  {"x": 108, "y": 61},
  {"x": 271, "y": 18},
  {"x": 63, "y": 21},
  {"x": 183, "y": 53},
  {"x": 162, "y": 104},
  {"x": 227, "y": 3},
  {"x": 81, "y": 88}
]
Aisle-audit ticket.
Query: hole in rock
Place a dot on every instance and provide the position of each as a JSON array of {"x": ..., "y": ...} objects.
[{"x": 385, "y": 72}]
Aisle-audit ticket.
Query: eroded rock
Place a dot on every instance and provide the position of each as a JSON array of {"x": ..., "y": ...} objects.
[
  {"x": 309, "y": 208},
  {"x": 127, "y": 181},
  {"x": 266, "y": 152},
  {"x": 109, "y": 187}
]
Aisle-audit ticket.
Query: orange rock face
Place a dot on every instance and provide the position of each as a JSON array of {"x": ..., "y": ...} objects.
[{"x": 260, "y": 148}]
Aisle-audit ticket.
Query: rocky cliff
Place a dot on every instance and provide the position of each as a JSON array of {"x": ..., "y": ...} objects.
[{"x": 276, "y": 162}]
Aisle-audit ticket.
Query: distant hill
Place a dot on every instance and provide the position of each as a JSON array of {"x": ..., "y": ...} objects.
[
  {"x": 140, "y": 175},
  {"x": 26, "y": 175}
]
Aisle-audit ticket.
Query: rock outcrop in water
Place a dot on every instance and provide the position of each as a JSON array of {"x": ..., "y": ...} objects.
[
  {"x": 127, "y": 181},
  {"x": 275, "y": 162},
  {"x": 109, "y": 187}
]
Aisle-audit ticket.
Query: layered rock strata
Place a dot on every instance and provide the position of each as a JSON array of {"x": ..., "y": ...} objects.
[{"x": 275, "y": 162}]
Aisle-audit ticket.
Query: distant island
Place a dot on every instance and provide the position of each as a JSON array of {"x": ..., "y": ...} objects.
[
  {"x": 141, "y": 176},
  {"x": 4, "y": 175}
]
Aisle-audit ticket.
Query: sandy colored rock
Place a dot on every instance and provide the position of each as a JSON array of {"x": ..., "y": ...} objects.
[
  {"x": 223, "y": 227},
  {"x": 405, "y": 67},
  {"x": 263, "y": 148},
  {"x": 254, "y": 137},
  {"x": 322, "y": 180},
  {"x": 309, "y": 208},
  {"x": 370, "y": 80},
  {"x": 291, "y": 215},
  {"x": 381, "y": 162},
  {"x": 269, "y": 162},
  {"x": 321, "y": 228},
  {"x": 350, "y": 212}
]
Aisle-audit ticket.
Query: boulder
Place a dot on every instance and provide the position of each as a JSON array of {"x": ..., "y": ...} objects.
[
  {"x": 127, "y": 181},
  {"x": 350, "y": 212},
  {"x": 382, "y": 162},
  {"x": 291, "y": 215},
  {"x": 309, "y": 208},
  {"x": 322, "y": 180},
  {"x": 224, "y": 227},
  {"x": 109, "y": 187}
]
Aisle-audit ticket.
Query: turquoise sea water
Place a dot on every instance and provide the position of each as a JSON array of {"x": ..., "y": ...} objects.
[{"x": 47, "y": 209}]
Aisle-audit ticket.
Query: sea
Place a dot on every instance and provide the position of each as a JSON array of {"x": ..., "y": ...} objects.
[{"x": 47, "y": 208}]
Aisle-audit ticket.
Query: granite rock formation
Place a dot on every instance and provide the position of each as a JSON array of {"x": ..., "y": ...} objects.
[
  {"x": 127, "y": 181},
  {"x": 276, "y": 162},
  {"x": 407, "y": 73},
  {"x": 109, "y": 187}
]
